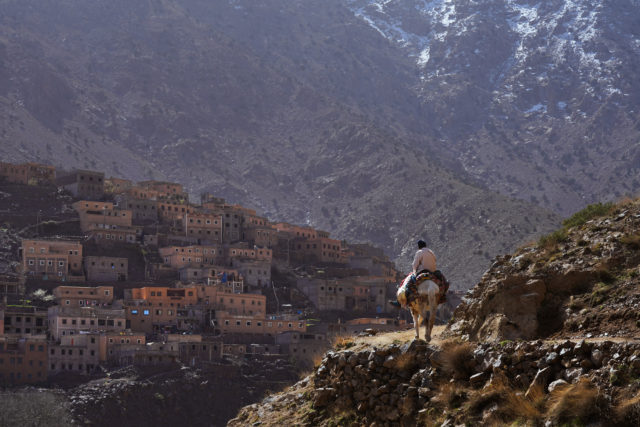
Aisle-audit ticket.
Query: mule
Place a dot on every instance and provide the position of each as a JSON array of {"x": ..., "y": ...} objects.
[{"x": 425, "y": 301}]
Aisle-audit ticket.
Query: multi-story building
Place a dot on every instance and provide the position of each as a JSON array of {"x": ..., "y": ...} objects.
[
  {"x": 196, "y": 255},
  {"x": 141, "y": 193},
  {"x": 122, "y": 346},
  {"x": 83, "y": 184},
  {"x": 172, "y": 211},
  {"x": 24, "y": 320},
  {"x": 253, "y": 264},
  {"x": 65, "y": 321},
  {"x": 165, "y": 189},
  {"x": 291, "y": 231},
  {"x": 257, "y": 231},
  {"x": 361, "y": 294},
  {"x": 116, "y": 185},
  {"x": 227, "y": 323},
  {"x": 194, "y": 352},
  {"x": 83, "y": 296},
  {"x": 254, "y": 272},
  {"x": 23, "y": 360},
  {"x": 143, "y": 211},
  {"x": 9, "y": 286},
  {"x": 106, "y": 269},
  {"x": 80, "y": 353},
  {"x": 111, "y": 237},
  {"x": 206, "y": 227},
  {"x": 319, "y": 249},
  {"x": 28, "y": 173},
  {"x": 52, "y": 259},
  {"x": 154, "y": 309},
  {"x": 305, "y": 348},
  {"x": 242, "y": 250},
  {"x": 232, "y": 218},
  {"x": 208, "y": 275},
  {"x": 101, "y": 215}
]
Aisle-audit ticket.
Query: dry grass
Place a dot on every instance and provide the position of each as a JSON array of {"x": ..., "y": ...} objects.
[
  {"x": 576, "y": 401},
  {"x": 510, "y": 404},
  {"x": 627, "y": 413},
  {"x": 342, "y": 342},
  {"x": 451, "y": 396},
  {"x": 456, "y": 358}
]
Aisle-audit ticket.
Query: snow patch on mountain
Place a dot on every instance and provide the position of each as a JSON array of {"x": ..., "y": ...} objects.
[{"x": 547, "y": 35}]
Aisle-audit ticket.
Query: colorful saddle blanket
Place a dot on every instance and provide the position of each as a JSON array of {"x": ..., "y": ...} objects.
[{"x": 410, "y": 284}]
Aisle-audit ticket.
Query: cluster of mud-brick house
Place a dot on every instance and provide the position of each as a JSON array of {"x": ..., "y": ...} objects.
[{"x": 195, "y": 292}]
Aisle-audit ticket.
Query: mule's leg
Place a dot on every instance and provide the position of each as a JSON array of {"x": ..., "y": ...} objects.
[
  {"x": 416, "y": 322},
  {"x": 433, "y": 306},
  {"x": 427, "y": 321}
]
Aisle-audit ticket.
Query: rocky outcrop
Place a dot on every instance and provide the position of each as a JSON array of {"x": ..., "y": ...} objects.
[{"x": 541, "y": 289}]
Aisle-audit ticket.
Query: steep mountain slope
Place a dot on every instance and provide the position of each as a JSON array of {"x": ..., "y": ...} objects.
[
  {"x": 536, "y": 100},
  {"x": 265, "y": 104},
  {"x": 579, "y": 281}
]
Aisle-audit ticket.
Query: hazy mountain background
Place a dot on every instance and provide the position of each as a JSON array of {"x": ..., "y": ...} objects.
[{"x": 473, "y": 124}]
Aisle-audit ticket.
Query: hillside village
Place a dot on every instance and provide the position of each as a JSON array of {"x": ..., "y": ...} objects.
[{"x": 102, "y": 273}]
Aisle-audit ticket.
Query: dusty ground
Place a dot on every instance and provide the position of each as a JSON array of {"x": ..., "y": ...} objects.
[{"x": 399, "y": 337}]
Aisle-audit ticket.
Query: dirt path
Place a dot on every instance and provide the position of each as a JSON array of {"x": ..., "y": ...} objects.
[
  {"x": 399, "y": 337},
  {"x": 402, "y": 337}
]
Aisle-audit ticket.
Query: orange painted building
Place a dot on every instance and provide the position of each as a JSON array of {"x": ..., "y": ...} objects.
[
  {"x": 52, "y": 259},
  {"x": 28, "y": 173}
]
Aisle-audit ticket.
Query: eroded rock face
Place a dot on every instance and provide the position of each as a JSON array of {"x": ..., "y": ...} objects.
[{"x": 543, "y": 290}]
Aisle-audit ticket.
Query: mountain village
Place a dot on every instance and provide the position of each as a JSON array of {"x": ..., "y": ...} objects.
[{"x": 137, "y": 274}]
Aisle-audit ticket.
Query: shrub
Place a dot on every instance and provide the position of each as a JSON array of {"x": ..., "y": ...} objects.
[
  {"x": 551, "y": 240},
  {"x": 451, "y": 396},
  {"x": 456, "y": 358},
  {"x": 580, "y": 401},
  {"x": 343, "y": 342},
  {"x": 627, "y": 413},
  {"x": 592, "y": 211},
  {"x": 633, "y": 241},
  {"x": 599, "y": 294}
]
